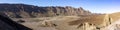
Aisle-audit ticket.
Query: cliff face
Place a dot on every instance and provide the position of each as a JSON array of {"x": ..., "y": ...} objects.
[{"x": 27, "y": 11}]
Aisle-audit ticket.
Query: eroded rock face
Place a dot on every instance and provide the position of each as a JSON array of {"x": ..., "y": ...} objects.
[
  {"x": 114, "y": 16},
  {"x": 27, "y": 11},
  {"x": 114, "y": 26}
]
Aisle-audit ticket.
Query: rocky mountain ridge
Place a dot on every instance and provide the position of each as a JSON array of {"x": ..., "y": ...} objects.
[{"x": 28, "y": 11}]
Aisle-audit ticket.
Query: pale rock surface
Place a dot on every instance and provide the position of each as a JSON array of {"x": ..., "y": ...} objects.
[{"x": 114, "y": 26}]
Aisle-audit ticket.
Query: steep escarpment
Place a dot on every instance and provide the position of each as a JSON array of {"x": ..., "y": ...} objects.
[{"x": 27, "y": 11}]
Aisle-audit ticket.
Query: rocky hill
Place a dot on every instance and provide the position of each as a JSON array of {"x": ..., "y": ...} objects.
[{"x": 28, "y": 11}]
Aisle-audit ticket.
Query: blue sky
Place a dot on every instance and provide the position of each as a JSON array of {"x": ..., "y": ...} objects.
[{"x": 95, "y": 6}]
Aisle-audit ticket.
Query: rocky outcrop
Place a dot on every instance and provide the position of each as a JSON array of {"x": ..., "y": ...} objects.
[
  {"x": 114, "y": 26},
  {"x": 27, "y": 11},
  {"x": 114, "y": 16}
]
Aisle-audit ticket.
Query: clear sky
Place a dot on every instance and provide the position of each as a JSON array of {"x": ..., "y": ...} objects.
[{"x": 95, "y": 6}]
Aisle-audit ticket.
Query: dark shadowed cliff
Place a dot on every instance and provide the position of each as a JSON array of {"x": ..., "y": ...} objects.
[
  {"x": 7, "y": 24},
  {"x": 27, "y": 11}
]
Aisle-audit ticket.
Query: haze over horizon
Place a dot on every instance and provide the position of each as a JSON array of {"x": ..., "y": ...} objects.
[{"x": 94, "y": 6}]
